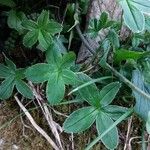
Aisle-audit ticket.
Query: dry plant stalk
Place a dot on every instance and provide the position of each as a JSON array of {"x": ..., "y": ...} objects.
[
  {"x": 37, "y": 127},
  {"x": 47, "y": 115}
]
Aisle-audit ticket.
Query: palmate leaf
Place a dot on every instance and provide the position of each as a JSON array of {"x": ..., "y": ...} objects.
[
  {"x": 13, "y": 77},
  {"x": 103, "y": 122},
  {"x": 142, "y": 106},
  {"x": 56, "y": 75},
  {"x": 133, "y": 17},
  {"x": 80, "y": 120},
  {"x": 96, "y": 25},
  {"x": 42, "y": 30}
]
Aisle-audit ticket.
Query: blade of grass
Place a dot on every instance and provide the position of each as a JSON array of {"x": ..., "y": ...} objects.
[{"x": 88, "y": 83}]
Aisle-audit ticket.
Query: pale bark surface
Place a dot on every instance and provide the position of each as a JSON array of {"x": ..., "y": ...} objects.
[{"x": 95, "y": 9}]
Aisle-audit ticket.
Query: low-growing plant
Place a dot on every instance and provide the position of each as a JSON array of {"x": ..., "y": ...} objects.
[{"x": 59, "y": 70}]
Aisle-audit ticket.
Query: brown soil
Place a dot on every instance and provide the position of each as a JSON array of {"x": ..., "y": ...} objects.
[{"x": 13, "y": 137}]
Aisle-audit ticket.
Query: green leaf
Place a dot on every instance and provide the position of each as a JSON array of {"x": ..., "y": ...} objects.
[
  {"x": 53, "y": 27},
  {"x": 10, "y": 64},
  {"x": 89, "y": 93},
  {"x": 83, "y": 5},
  {"x": 114, "y": 111},
  {"x": 30, "y": 38},
  {"x": 96, "y": 140},
  {"x": 69, "y": 77},
  {"x": 142, "y": 106},
  {"x": 148, "y": 123},
  {"x": 6, "y": 88},
  {"x": 80, "y": 120},
  {"x": 4, "y": 71},
  {"x": 123, "y": 54},
  {"x": 39, "y": 72},
  {"x": 55, "y": 89},
  {"x": 142, "y": 5},
  {"x": 147, "y": 23},
  {"x": 108, "y": 93},
  {"x": 146, "y": 71},
  {"x": 20, "y": 73},
  {"x": 96, "y": 25},
  {"x": 59, "y": 44},
  {"x": 24, "y": 89},
  {"x": 30, "y": 25},
  {"x": 45, "y": 39},
  {"x": 93, "y": 28},
  {"x": 106, "y": 47},
  {"x": 133, "y": 17},
  {"x": 103, "y": 20},
  {"x": 68, "y": 60},
  {"x": 9, "y": 3},
  {"x": 103, "y": 122},
  {"x": 43, "y": 19},
  {"x": 15, "y": 19},
  {"x": 53, "y": 56},
  {"x": 114, "y": 38}
]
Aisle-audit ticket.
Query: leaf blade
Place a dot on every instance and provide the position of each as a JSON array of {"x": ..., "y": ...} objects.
[
  {"x": 108, "y": 93},
  {"x": 55, "y": 89},
  {"x": 39, "y": 72},
  {"x": 6, "y": 88},
  {"x": 24, "y": 89},
  {"x": 80, "y": 120},
  {"x": 103, "y": 122}
]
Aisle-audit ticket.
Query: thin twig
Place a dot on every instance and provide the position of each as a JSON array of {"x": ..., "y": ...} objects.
[
  {"x": 128, "y": 133},
  {"x": 131, "y": 139},
  {"x": 84, "y": 40},
  {"x": 38, "y": 128},
  {"x": 47, "y": 115},
  {"x": 127, "y": 82}
]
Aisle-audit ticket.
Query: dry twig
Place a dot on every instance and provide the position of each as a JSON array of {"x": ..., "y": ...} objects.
[
  {"x": 128, "y": 133},
  {"x": 38, "y": 128},
  {"x": 47, "y": 115}
]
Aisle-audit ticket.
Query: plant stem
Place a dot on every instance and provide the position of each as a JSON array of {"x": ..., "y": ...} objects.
[
  {"x": 84, "y": 40},
  {"x": 127, "y": 82}
]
